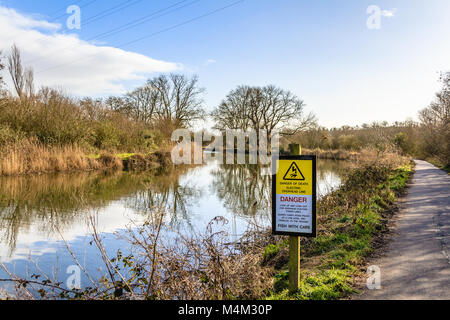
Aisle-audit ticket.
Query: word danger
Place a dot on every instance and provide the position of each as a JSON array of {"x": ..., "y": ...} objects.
[{"x": 294, "y": 199}]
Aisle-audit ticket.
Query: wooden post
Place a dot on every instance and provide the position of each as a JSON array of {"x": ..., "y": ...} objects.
[
  {"x": 294, "y": 242},
  {"x": 295, "y": 150}
]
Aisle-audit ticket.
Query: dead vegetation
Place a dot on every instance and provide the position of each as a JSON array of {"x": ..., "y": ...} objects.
[
  {"x": 165, "y": 266},
  {"x": 29, "y": 157}
]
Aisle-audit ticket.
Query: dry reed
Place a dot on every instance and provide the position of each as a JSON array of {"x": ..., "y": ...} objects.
[{"x": 29, "y": 157}]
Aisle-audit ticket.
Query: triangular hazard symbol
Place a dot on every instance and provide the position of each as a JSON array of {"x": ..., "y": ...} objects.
[{"x": 294, "y": 173}]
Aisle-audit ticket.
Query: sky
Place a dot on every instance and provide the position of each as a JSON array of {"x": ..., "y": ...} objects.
[{"x": 326, "y": 52}]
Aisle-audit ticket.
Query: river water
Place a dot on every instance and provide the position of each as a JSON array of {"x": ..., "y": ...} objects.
[{"x": 41, "y": 215}]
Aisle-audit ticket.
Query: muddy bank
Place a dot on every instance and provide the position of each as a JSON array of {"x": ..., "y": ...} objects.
[{"x": 139, "y": 162}]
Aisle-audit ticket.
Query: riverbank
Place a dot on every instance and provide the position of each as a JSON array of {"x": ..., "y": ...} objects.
[
  {"x": 33, "y": 158},
  {"x": 347, "y": 155},
  {"x": 52, "y": 132}
]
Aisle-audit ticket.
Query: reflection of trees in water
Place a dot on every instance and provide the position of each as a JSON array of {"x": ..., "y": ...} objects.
[
  {"x": 243, "y": 189},
  {"x": 57, "y": 202},
  {"x": 247, "y": 193},
  {"x": 335, "y": 167},
  {"x": 166, "y": 193}
]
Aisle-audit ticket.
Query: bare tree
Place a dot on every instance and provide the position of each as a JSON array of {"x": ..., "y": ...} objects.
[
  {"x": 435, "y": 124},
  {"x": 15, "y": 69},
  {"x": 22, "y": 78},
  {"x": 232, "y": 112},
  {"x": 2, "y": 66},
  {"x": 269, "y": 108},
  {"x": 117, "y": 104},
  {"x": 166, "y": 102},
  {"x": 142, "y": 103},
  {"x": 179, "y": 100},
  {"x": 29, "y": 82}
]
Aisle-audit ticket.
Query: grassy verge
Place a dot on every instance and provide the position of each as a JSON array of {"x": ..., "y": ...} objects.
[
  {"x": 351, "y": 220},
  {"x": 446, "y": 168},
  {"x": 439, "y": 164}
]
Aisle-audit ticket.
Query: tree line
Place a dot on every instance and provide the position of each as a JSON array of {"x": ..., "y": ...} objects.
[
  {"x": 428, "y": 138},
  {"x": 167, "y": 102}
]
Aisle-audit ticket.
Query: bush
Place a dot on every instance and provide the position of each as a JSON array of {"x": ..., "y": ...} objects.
[
  {"x": 270, "y": 251},
  {"x": 8, "y": 136},
  {"x": 54, "y": 119}
]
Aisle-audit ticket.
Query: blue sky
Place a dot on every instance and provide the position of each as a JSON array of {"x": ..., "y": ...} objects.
[{"x": 321, "y": 50}]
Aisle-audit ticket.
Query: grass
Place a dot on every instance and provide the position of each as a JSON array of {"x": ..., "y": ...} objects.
[
  {"x": 363, "y": 154},
  {"x": 439, "y": 164},
  {"x": 30, "y": 158},
  {"x": 125, "y": 156},
  {"x": 122, "y": 156},
  {"x": 445, "y": 168},
  {"x": 350, "y": 219}
]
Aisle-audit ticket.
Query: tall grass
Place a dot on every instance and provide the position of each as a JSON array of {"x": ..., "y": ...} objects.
[
  {"x": 28, "y": 157},
  {"x": 365, "y": 155}
]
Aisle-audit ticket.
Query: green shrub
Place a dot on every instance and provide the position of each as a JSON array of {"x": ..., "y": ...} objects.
[{"x": 270, "y": 251}]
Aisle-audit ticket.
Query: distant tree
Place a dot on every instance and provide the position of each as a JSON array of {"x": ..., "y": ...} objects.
[
  {"x": 29, "y": 82},
  {"x": 404, "y": 143},
  {"x": 233, "y": 112},
  {"x": 142, "y": 103},
  {"x": 179, "y": 99},
  {"x": 166, "y": 102},
  {"x": 22, "y": 78},
  {"x": 2, "y": 66},
  {"x": 269, "y": 108},
  {"x": 435, "y": 124},
  {"x": 118, "y": 104},
  {"x": 348, "y": 142}
]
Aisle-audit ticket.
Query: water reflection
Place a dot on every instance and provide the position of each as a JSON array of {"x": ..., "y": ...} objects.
[
  {"x": 166, "y": 192},
  {"x": 244, "y": 190}
]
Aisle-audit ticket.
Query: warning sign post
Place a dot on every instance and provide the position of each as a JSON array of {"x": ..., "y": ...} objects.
[
  {"x": 294, "y": 196},
  {"x": 294, "y": 204}
]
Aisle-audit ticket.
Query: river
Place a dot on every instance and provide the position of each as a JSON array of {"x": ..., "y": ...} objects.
[{"x": 41, "y": 215}]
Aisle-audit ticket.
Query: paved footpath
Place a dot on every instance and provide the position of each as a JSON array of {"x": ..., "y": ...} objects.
[{"x": 416, "y": 264}]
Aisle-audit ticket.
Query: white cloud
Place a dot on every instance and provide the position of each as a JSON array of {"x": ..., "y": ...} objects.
[
  {"x": 389, "y": 13},
  {"x": 65, "y": 61},
  {"x": 209, "y": 62},
  {"x": 26, "y": 22}
]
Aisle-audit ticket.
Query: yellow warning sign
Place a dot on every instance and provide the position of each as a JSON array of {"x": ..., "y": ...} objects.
[
  {"x": 294, "y": 196},
  {"x": 294, "y": 177},
  {"x": 294, "y": 173}
]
